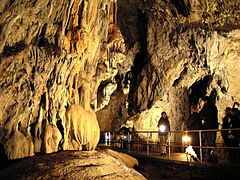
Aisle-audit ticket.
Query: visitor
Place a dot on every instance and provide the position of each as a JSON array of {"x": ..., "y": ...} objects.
[
  {"x": 227, "y": 135},
  {"x": 236, "y": 105},
  {"x": 127, "y": 133},
  {"x": 194, "y": 123},
  {"x": 164, "y": 128},
  {"x": 235, "y": 119},
  {"x": 209, "y": 117}
]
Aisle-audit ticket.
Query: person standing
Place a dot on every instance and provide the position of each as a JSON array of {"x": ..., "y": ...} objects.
[
  {"x": 209, "y": 116},
  {"x": 164, "y": 128},
  {"x": 194, "y": 123},
  {"x": 236, "y": 105},
  {"x": 235, "y": 119},
  {"x": 227, "y": 135}
]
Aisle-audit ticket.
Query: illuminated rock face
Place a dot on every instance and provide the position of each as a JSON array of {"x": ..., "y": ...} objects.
[
  {"x": 191, "y": 50},
  {"x": 53, "y": 56},
  {"x": 62, "y": 60},
  {"x": 81, "y": 129}
]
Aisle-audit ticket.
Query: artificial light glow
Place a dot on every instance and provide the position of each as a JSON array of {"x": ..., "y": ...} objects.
[
  {"x": 190, "y": 151},
  {"x": 124, "y": 137},
  {"x": 162, "y": 128},
  {"x": 186, "y": 138},
  {"x": 107, "y": 136}
]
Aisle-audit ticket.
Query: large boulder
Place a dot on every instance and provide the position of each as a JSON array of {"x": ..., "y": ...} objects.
[{"x": 72, "y": 165}]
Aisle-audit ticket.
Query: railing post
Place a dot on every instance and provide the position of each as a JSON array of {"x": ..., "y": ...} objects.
[
  {"x": 138, "y": 142},
  {"x": 122, "y": 136},
  {"x": 113, "y": 139},
  {"x": 147, "y": 146},
  {"x": 169, "y": 146},
  {"x": 109, "y": 138},
  {"x": 128, "y": 140},
  {"x": 200, "y": 143}
]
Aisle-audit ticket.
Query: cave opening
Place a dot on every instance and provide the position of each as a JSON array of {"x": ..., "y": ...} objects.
[{"x": 198, "y": 90}]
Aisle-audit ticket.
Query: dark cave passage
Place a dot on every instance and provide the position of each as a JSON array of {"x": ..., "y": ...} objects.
[
  {"x": 198, "y": 90},
  {"x": 141, "y": 59}
]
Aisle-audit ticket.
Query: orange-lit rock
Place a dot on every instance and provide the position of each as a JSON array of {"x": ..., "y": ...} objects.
[
  {"x": 81, "y": 129},
  {"x": 75, "y": 165},
  {"x": 123, "y": 59}
]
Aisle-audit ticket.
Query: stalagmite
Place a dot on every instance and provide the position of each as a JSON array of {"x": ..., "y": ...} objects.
[{"x": 18, "y": 145}]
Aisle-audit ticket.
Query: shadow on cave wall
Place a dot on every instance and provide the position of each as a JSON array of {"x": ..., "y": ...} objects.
[
  {"x": 199, "y": 90},
  {"x": 133, "y": 24},
  {"x": 183, "y": 7},
  {"x": 3, "y": 157},
  {"x": 139, "y": 63}
]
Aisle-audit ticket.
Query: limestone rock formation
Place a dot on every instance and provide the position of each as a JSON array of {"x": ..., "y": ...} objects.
[
  {"x": 122, "y": 59},
  {"x": 186, "y": 50},
  {"x": 19, "y": 145},
  {"x": 51, "y": 138},
  {"x": 115, "y": 113},
  {"x": 78, "y": 165},
  {"x": 81, "y": 129},
  {"x": 53, "y": 56},
  {"x": 128, "y": 160}
]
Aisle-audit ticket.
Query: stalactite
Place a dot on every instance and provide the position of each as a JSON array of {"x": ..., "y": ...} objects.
[{"x": 76, "y": 93}]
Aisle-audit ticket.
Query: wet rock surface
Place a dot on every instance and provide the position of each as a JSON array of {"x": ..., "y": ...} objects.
[{"x": 82, "y": 165}]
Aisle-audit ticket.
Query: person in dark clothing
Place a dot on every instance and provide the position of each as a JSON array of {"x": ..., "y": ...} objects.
[
  {"x": 227, "y": 124},
  {"x": 194, "y": 123},
  {"x": 209, "y": 116},
  {"x": 164, "y": 128},
  {"x": 227, "y": 135},
  {"x": 236, "y": 105},
  {"x": 235, "y": 120}
]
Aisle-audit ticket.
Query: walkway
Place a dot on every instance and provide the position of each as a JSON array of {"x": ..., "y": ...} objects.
[{"x": 176, "y": 157}]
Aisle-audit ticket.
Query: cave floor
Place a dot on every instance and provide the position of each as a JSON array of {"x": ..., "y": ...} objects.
[
  {"x": 176, "y": 157},
  {"x": 156, "y": 167},
  {"x": 160, "y": 169},
  {"x": 153, "y": 167}
]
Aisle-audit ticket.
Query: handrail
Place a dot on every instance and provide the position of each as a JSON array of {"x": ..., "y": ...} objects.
[
  {"x": 181, "y": 131},
  {"x": 148, "y": 142}
]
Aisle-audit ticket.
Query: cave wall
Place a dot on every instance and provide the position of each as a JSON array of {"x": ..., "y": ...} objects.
[
  {"x": 186, "y": 41},
  {"x": 53, "y": 56},
  {"x": 174, "y": 45},
  {"x": 124, "y": 60}
]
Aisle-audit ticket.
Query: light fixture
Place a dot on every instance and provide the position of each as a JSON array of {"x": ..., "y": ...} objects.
[
  {"x": 186, "y": 138},
  {"x": 162, "y": 128}
]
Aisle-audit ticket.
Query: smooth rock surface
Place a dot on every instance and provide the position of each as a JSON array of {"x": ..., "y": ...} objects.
[{"x": 80, "y": 165}]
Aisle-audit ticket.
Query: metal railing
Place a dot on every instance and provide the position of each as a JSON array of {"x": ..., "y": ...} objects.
[{"x": 145, "y": 139}]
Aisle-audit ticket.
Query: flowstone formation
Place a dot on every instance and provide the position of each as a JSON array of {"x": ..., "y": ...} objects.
[{"x": 53, "y": 56}]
